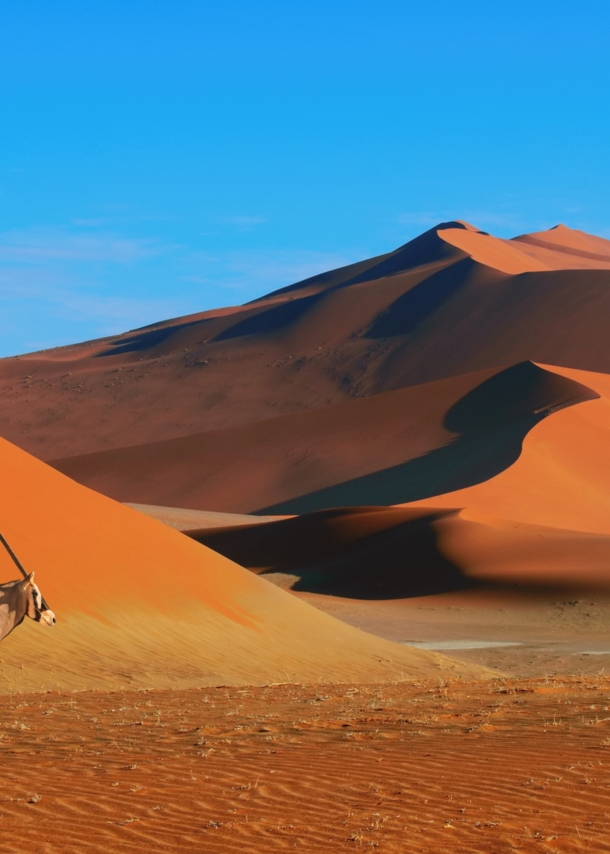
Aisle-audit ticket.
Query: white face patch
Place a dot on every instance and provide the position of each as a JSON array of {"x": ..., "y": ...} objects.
[
  {"x": 37, "y": 597},
  {"x": 47, "y": 618}
]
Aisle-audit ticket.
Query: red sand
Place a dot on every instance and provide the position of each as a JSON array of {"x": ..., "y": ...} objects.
[
  {"x": 495, "y": 768},
  {"x": 425, "y": 378},
  {"x": 406, "y": 379}
]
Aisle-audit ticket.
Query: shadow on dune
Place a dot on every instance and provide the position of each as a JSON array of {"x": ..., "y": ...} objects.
[
  {"x": 145, "y": 338},
  {"x": 402, "y": 552},
  {"x": 365, "y": 552},
  {"x": 421, "y": 301},
  {"x": 264, "y": 320},
  {"x": 491, "y": 421},
  {"x": 427, "y": 248}
]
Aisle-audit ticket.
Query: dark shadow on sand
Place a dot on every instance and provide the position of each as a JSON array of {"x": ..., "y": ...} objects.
[{"x": 400, "y": 560}]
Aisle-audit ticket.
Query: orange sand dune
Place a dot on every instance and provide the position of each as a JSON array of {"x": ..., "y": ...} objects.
[
  {"x": 488, "y": 250},
  {"x": 452, "y": 301},
  {"x": 560, "y": 248},
  {"x": 397, "y": 552},
  {"x": 582, "y": 248},
  {"x": 139, "y": 604},
  {"x": 384, "y": 449},
  {"x": 561, "y": 478}
]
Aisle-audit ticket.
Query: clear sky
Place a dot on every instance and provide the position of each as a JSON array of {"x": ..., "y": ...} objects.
[{"x": 160, "y": 157}]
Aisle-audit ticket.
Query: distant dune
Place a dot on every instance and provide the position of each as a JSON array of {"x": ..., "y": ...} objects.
[
  {"x": 401, "y": 552},
  {"x": 451, "y": 302},
  {"x": 542, "y": 522},
  {"x": 561, "y": 478},
  {"x": 141, "y": 605}
]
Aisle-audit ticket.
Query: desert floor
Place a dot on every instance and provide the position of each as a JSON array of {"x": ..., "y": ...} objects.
[
  {"x": 497, "y": 766},
  {"x": 517, "y": 632}
]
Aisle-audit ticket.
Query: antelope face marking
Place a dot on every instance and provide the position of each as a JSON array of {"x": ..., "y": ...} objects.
[
  {"x": 46, "y": 617},
  {"x": 35, "y": 608}
]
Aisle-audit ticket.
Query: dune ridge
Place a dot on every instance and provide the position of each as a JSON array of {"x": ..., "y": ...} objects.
[{"x": 562, "y": 477}]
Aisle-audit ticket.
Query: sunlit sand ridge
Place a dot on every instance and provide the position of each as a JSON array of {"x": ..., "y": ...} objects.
[{"x": 562, "y": 475}]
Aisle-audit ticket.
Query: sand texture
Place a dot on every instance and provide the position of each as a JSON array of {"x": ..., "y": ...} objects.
[{"x": 498, "y": 767}]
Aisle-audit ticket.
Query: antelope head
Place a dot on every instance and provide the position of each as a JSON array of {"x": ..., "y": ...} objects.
[{"x": 35, "y": 605}]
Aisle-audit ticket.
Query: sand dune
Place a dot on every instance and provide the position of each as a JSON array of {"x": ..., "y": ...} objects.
[
  {"x": 384, "y": 449},
  {"x": 395, "y": 552},
  {"x": 452, "y": 301},
  {"x": 540, "y": 522},
  {"x": 411, "y": 411},
  {"x": 582, "y": 248},
  {"x": 141, "y": 605},
  {"x": 498, "y": 254},
  {"x": 560, "y": 248},
  {"x": 561, "y": 478}
]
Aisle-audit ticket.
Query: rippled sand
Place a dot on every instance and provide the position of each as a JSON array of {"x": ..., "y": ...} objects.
[{"x": 481, "y": 767}]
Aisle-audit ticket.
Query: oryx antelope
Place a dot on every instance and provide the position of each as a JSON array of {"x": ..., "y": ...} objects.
[{"x": 20, "y": 599}]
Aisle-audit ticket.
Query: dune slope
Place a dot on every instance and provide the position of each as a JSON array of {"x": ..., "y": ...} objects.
[
  {"x": 452, "y": 301},
  {"x": 384, "y": 449},
  {"x": 139, "y": 604},
  {"x": 541, "y": 523}
]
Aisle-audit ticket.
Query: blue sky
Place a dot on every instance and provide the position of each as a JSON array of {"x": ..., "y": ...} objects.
[{"x": 160, "y": 158}]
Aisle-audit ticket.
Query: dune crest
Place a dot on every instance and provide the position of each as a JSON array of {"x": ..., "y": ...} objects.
[
  {"x": 562, "y": 477},
  {"x": 492, "y": 252},
  {"x": 568, "y": 241}
]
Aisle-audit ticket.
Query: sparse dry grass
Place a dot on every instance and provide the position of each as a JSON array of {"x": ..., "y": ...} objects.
[{"x": 484, "y": 767}]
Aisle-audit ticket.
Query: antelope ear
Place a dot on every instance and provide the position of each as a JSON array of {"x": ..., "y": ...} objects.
[{"x": 30, "y": 578}]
